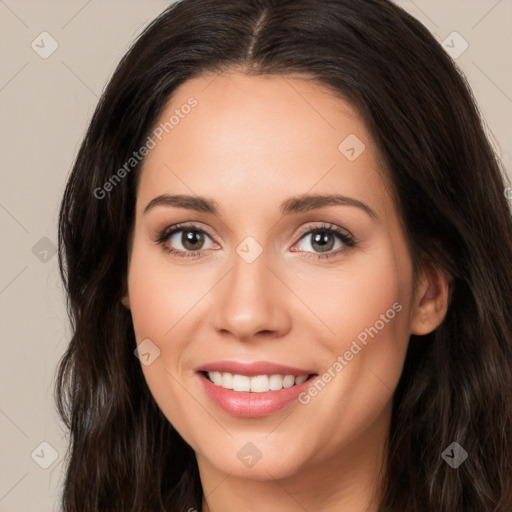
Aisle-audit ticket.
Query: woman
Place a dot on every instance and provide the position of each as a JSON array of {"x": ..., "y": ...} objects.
[{"x": 286, "y": 247}]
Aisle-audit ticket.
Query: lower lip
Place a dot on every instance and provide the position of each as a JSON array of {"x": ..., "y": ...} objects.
[{"x": 249, "y": 404}]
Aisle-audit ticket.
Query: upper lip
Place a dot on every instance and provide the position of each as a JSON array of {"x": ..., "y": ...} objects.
[{"x": 250, "y": 369}]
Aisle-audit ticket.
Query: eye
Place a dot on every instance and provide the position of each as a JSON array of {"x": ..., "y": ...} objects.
[
  {"x": 188, "y": 241},
  {"x": 324, "y": 239},
  {"x": 182, "y": 239}
]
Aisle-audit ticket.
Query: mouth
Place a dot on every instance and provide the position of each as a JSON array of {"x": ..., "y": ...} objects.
[
  {"x": 262, "y": 383},
  {"x": 256, "y": 395},
  {"x": 253, "y": 388}
]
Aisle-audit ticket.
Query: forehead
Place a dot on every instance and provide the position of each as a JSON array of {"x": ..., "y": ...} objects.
[{"x": 260, "y": 137}]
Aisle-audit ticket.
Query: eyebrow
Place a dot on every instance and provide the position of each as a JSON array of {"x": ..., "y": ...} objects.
[{"x": 296, "y": 204}]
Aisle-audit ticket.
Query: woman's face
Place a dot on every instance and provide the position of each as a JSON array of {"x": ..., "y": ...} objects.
[{"x": 276, "y": 158}]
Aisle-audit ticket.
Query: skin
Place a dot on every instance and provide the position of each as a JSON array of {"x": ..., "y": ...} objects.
[{"x": 249, "y": 144}]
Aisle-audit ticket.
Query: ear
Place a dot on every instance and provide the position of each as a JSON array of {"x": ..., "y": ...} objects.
[
  {"x": 431, "y": 299},
  {"x": 125, "y": 300}
]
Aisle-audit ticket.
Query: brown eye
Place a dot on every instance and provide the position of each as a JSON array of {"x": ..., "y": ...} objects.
[
  {"x": 185, "y": 241},
  {"x": 192, "y": 240},
  {"x": 324, "y": 239}
]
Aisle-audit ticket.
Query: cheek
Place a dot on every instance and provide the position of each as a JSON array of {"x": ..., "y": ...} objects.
[
  {"x": 353, "y": 297},
  {"x": 366, "y": 308},
  {"x": 363, "y": 361},
  {"x": 161, "y": 302},
  {"x": 165, "y": 300},
  {"x": 159, "y": 296}
]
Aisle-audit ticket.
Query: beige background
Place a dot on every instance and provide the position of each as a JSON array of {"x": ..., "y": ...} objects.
[{"x": 45, "y": 105}]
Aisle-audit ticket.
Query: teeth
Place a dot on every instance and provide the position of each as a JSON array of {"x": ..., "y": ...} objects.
[
  {"x": 217, "y": 378},
  {"x": 259, "y": 383},
  {"x": 301, "y": 379},
  {"x": 276, "y": 382},
  {"x": 256, "y": 384},
  {"x": 241, "y": 383}
]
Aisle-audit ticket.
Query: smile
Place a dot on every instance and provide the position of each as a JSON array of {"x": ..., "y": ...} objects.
[
  {"x": 253, "y": 396},
  {"x": 255, "y": 384}
]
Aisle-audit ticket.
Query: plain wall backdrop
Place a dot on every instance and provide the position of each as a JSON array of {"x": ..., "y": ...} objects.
[{"x": 57, "y": 56}]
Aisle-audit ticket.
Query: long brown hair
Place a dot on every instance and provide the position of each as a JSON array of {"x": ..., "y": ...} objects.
[{"x": 456, "y": 385}]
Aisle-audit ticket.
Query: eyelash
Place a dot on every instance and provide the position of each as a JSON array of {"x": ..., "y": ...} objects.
[{"x": 165, "y": 234}]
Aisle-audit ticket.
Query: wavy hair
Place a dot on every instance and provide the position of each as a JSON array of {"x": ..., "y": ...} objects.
[{"x": 448, "y": 186}]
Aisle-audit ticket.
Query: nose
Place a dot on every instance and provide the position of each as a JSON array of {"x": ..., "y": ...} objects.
[{"x": 251, "y": 301}]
